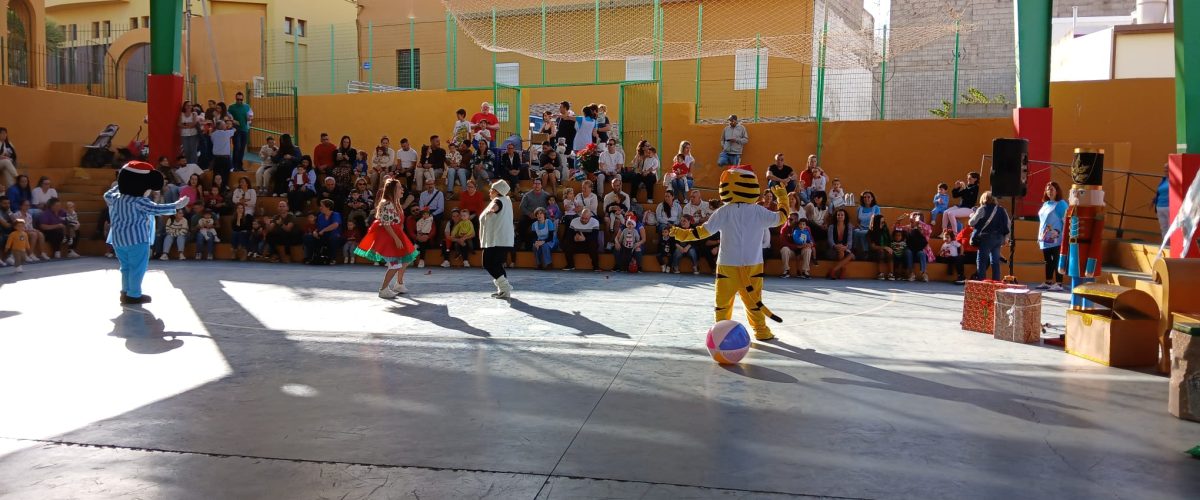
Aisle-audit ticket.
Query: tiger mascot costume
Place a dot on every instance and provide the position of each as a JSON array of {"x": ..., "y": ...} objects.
[{"x": 741, "y": 222}]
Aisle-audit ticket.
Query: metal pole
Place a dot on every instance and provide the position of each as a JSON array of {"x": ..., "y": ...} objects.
[
  {"x": 699, "y": 52},
  {"x": 954, "y": 94},
  {"x": 821, "y": 90},
  {"x": 449, "y": 53},
  {"x": 757, "y": 68},
  {"x": 543, "y": 58},
  {"x": 596, "y": 38},
  {"x": 659, "y": 84},
  {"x": 262, "y": 33},
  {"x": 187, "y": 20},
  {"x": 882, "y": 75},
  {"x": 454, "y": 39},
  {"x": 495, "y": 82},
  {"x": 1124, "y": 201},
  {"x": 370, "y": 56},
  {"x": 295, "y": 59},
  {"x": 412, "y": 53},
  {"x": 332, "y": 63}
]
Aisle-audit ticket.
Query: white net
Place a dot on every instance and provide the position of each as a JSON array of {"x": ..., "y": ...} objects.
[{"x": 609, "y": 30}]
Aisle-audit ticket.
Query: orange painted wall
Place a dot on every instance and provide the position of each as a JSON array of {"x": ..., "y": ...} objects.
[
  {"x": 367, "y": 117},
  {"x": 41, "y": 135},
  {"x": 1134, "y": 122}
]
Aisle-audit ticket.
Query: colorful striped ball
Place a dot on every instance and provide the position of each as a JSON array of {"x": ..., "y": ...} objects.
[{"x": 728, "y": 342}]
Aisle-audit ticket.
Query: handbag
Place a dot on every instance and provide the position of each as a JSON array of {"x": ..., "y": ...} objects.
[{"x": 975, "y": 235}]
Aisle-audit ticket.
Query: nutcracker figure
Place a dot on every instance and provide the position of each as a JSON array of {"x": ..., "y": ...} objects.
[{"x": 1083, "y": 246}]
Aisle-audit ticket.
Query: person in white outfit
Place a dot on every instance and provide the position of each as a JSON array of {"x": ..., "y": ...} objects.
[{"x": 496, "y": 237}]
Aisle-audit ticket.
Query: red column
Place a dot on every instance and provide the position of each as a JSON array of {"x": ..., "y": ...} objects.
[
  {"x": 1181, "y": 174},
  {"x": 1035, "y": 125},
  {"x": 164, "y": 98}
]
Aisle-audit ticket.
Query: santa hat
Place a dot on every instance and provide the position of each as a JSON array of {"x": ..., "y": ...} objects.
[
  {"x": 632, "y": 218},
  {"x": 138, "y": 167}
]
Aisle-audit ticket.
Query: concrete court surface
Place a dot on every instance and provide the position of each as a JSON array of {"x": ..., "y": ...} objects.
[{"x": 272, "y": 381}]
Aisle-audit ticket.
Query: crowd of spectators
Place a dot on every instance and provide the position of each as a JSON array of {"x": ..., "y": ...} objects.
[
  {"x": 35, "y": 224},
  {"x": 324, "y": 200}
]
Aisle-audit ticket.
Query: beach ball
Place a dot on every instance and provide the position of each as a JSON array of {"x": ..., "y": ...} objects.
[{"x": 728, "y": 341}]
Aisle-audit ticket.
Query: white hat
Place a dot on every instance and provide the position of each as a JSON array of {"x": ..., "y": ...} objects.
[{"x": 501, "y": 187}]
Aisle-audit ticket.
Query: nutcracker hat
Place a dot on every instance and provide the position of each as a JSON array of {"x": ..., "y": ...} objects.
[{"x": 739, "y": 184}]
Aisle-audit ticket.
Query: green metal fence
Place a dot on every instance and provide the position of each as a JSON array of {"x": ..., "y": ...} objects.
[{"x": 276, "y": 112}]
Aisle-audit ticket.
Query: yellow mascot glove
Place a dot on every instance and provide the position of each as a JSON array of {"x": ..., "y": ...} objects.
[
  {"x": 691, "y": 234},
  {"x": 781, "y": 198}
]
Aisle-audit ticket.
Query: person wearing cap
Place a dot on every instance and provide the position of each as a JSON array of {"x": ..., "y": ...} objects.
[
  {"x": 485, "y": 124},
  {"x": 733, "y": 139},
  {"x": 496, "y": 237},
  {"x": 132, "y": 224},
  {"x": 629, "y": 242}
]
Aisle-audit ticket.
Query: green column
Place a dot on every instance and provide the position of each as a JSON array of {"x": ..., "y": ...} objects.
[
  {"x": 1187, "y": 76},
  {"x": 166, "y": 13},
  {"x": 954, "y": 93},
  {"x": 1032, "y": 19},
  {"x": 821, "y": 88}
]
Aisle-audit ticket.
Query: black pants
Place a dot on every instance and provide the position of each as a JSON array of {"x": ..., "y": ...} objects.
[
  {"x": 590, "y": 245},
  {"x": 956, "y": 264},
  {"x": 221, "y": 166},
  {"x": 637, "y": 180},
  {"x": 298, "y": 199},
  {"x": 311, "y": 245},
  {"x": 493, "y": 261},
  {"x": 54, "y": 238},
  {"x": 1050, "y": 256}
]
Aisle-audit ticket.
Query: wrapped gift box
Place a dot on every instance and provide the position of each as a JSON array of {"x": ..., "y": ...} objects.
[
  {"x": 979, "y": 304},
  {"x": 1184, "y": 397},
  {"x": 1121, "y": 331},
  {"x": 1018, "y": 316}
]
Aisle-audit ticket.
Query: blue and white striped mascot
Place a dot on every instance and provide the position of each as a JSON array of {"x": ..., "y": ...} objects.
[{"x": 132, "y": 224}]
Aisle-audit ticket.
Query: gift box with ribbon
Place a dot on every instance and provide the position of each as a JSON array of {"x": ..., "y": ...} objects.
[
  {"x": 979, "y": 304},
  {"x": 1018, "y": 316}
]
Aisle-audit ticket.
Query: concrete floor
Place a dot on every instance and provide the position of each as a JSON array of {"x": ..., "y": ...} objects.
[{"x": 270, "y": 381}]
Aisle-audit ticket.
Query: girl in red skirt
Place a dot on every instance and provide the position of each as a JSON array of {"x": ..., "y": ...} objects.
[{"x": 386, "y": 242}]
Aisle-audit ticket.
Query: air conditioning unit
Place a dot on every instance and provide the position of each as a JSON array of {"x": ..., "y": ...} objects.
[{"x": 259, "y": 88}]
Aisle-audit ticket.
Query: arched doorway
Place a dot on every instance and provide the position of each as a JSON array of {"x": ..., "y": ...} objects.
[
  {"x": 18, "y": 43},
  {"x": 134, "y": 66}
]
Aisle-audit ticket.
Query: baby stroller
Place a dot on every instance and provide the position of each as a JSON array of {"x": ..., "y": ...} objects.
[{"x": 99, "y": 153}]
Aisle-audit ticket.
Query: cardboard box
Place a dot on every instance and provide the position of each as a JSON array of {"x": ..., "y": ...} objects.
[
  {"x": 979, "y": 304},
  {"x": 1018, "y": 316},
  {"x": 1121, "y": 332}
]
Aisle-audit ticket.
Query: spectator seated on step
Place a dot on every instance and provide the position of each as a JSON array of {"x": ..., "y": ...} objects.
[
  {"x": 531, "y": 202},
  {"x": 359, "y": 203},
  {"x": 326, "y": 237},
  {"x": 696, "y": 207},
  {"x": 8, "y": 159},
  {"x": 585, "y": 238},
  {"x": 301, "y": 187},
  {"x": 329, "y": 190},
  {"x": 283, "y": 232}
]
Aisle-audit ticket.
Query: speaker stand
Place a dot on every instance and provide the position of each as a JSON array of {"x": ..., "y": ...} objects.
[{"x": 1012, "y": 240}]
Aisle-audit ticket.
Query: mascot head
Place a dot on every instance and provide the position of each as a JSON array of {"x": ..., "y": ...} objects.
[
  {"x": 137, "y": 177},
  {"x": 739, "y": 185}
]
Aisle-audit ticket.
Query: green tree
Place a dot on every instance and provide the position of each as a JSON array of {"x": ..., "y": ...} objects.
[{"x": 54, "y": 36}]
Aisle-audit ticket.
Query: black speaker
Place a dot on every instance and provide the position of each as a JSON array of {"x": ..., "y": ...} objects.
[{"x": 1010, "y": 167}]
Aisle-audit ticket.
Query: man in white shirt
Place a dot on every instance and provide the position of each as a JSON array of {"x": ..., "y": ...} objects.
[
  {"x": 184, "y": 171},
  {"x": 585, "y": 234},
  {"x": 612, "y": 160},
  {"x": 696, "y": 207},
  {"x": 433, "y": 200}
]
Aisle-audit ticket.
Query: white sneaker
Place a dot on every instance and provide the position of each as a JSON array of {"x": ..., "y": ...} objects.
[
  {"x": 210, "y": 256},
  {"x": 446, "y": 264},
  {"x": 696, "y": 272},
  {"x": 46, "y": 257},
  {"x": 57, "y": 254},
  {"x": 197, "y": 257},
  {"x": 1043, "y": 286},
  {"x": 664, "y": 269},
  {"x": 164, "y": 257},
  {"x": 31, "y": 258},
  {"x": 466, "y": 264},
  {"x": 182, "y": 257},
  {"x": 387, "y": 293},
  {"x": 11, "y": 261},
  {"x": 72, "y": 254},
  {"x": 109, "y": 255},
  {"x": 399, "y": 288},
  {"x": 19, "y": 269},
  {"x": 1056, "y": 288},
  {"x": 420, "y": 263}
]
